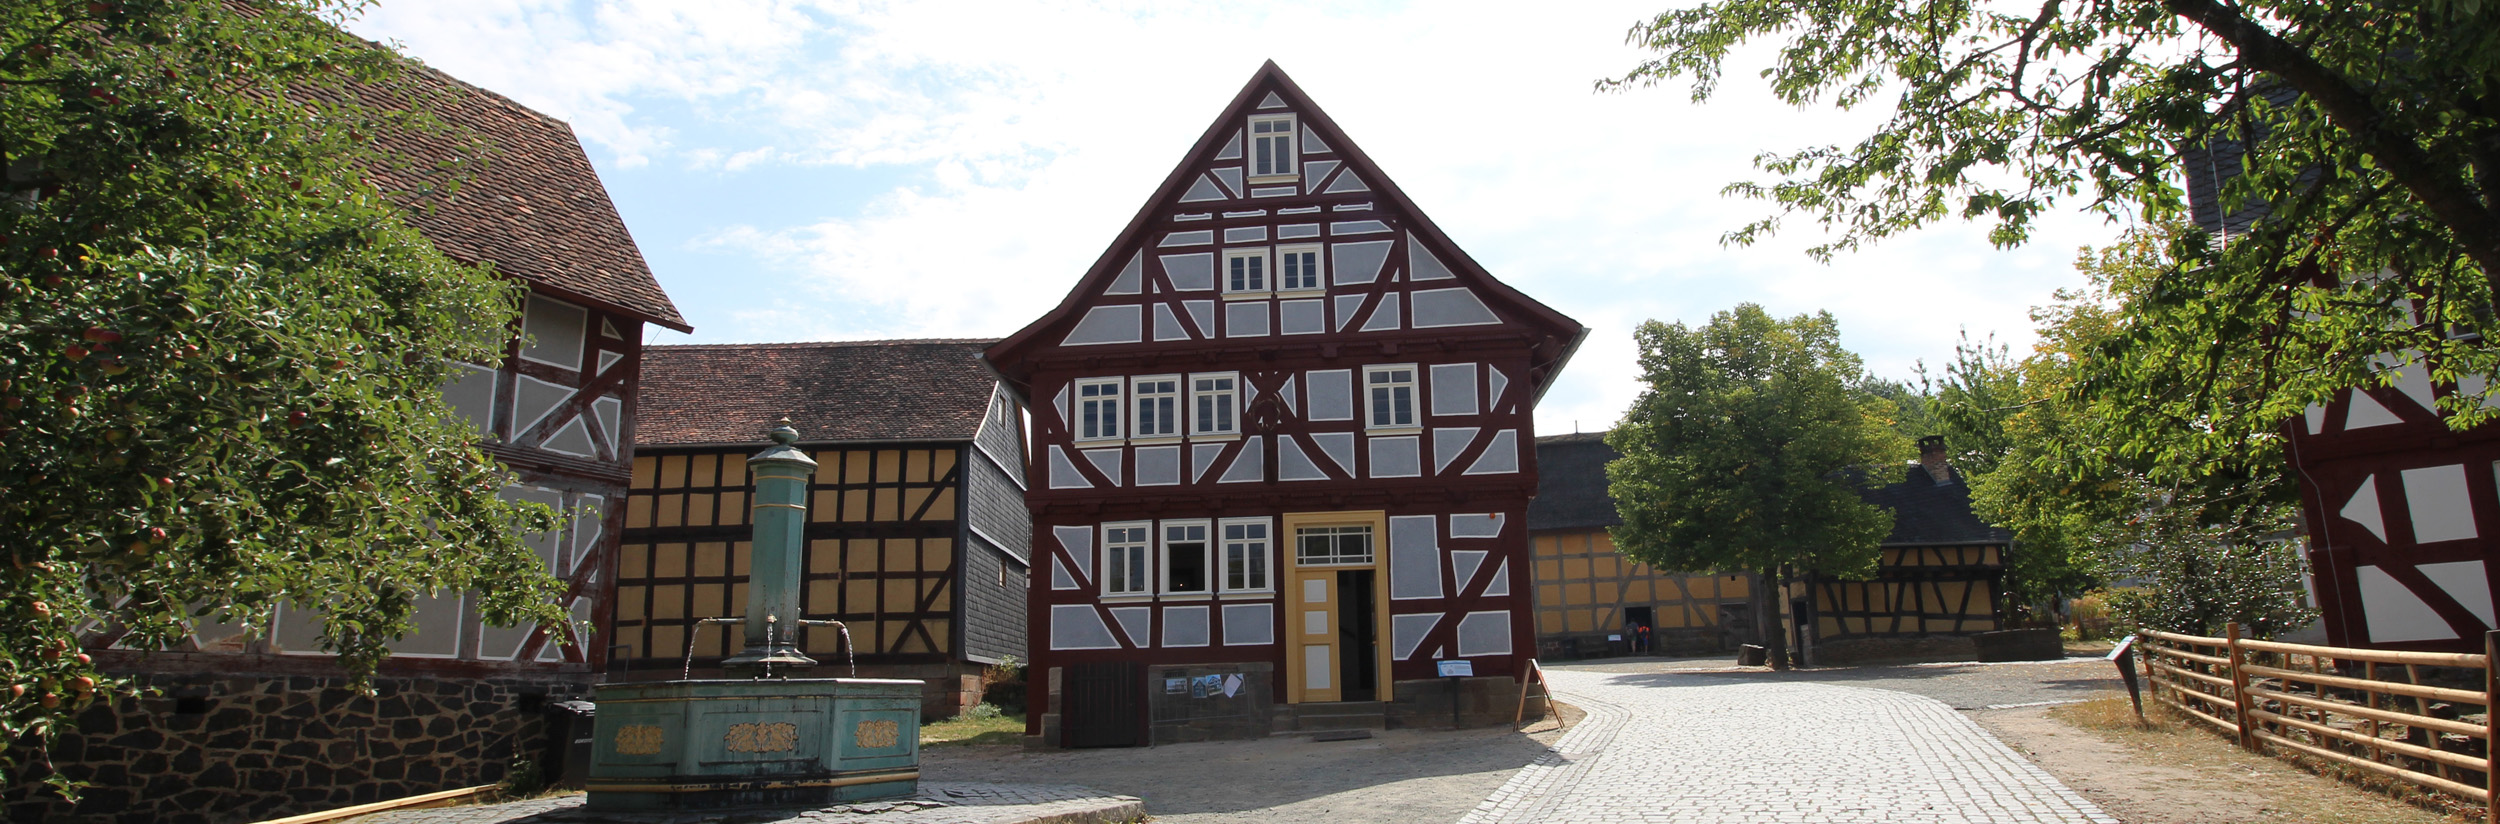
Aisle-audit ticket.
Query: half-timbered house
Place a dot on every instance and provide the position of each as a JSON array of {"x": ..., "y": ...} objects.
[
  {"x": 1588, "y": 596},
  {"x": 2402, "y": 512},
  {"x": 916, "y": 531},
  {"x": 252, "y": 722},
  {"x": 1939, "y": 579},
  {"x": 1281, "y": 453}
]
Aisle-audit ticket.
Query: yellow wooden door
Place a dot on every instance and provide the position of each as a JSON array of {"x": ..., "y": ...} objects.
[{"x": 1314, "y": 631}]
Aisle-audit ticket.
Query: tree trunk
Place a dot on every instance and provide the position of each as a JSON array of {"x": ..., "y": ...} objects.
[{"x": 1767, "y": 610}]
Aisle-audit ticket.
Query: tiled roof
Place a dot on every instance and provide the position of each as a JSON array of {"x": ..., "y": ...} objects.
[
  {"x": 534, "y": 206},
  {"x": 1925, "y": 512},
  {"x": 1571, "y": 494},
  {"x": 884, "y": 390},
  {"x": 1571, "y": 483}
]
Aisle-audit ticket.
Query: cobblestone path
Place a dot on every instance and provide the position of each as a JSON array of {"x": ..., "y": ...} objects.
[{"x": 1686, "y": 748}]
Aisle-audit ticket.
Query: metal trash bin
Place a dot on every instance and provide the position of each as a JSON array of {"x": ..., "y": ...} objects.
[{"x": 570, "y": 732}]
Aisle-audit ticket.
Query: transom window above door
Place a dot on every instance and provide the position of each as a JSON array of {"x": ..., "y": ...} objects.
[{"x": 1332, "y": 545}]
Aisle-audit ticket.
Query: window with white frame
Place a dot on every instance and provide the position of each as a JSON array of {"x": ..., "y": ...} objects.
[
  {"x": 1297, "y": 268},
  {"x": 1215, "y": 404},
  {"x": 1271, "y": 146},
  {"x": 1098, "y": 409},
  {"x": 1245, "y": 271},
  {"x": 1390, "y": 395},
  {"x": 1124, "y": 551},
  {"x": 1185, "y": 551},
  {"x": 1246, "y": 554},
  {"x": 1332, "y": 545},
  {"x": 1158, "y": 407}
]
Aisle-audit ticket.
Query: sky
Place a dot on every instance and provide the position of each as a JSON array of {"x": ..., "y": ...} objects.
[{"x": 827, "y": 170}]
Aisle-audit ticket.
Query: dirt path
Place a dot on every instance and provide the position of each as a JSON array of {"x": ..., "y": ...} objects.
[
  {"x": 1398, "y": 777},
  {"x": 2168, "y": 775}
]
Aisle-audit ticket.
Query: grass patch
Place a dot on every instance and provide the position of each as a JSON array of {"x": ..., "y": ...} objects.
[{"x": 971, "y": 730}]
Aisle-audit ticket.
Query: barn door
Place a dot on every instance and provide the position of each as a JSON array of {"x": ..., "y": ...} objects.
[{"x": 1105, "y": 703}]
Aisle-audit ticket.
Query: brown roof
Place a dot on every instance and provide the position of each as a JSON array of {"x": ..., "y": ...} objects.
[
  {"x": 534, "y": 207},
  {"x": 877, "y": 390}
]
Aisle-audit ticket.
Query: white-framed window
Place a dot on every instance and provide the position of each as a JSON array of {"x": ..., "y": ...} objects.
[
  {"x": 1125, "y": 549},
  {"x": 1158, "y": 406},
  {"x": 1215, "y": 403},
  {"x": 1298, "y": 268},
  {"x": 1246, "y": 554},
  {"x": 1332, "y": 545},
  {"x": 1271, "y": 146},
  {"x": 1098, "y": 409},
  {"x": 1185, "y": 552},
  {"x": 1389, "y": 395},
  {"x": 1245, "y": 272}
]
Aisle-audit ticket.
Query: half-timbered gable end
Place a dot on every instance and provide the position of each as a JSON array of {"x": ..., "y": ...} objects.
[
  {"x": 917, "y": 534},
  {"x": 1280, "y": 391}
]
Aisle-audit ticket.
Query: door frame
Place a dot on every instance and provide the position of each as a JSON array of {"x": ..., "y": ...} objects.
[{"x": 1287, "y": 527}]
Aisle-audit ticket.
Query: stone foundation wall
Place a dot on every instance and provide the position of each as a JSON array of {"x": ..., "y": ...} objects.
[
  {"x": 1483, "y": 701},
  {"x": 1905, "y": 649},
  {"x": 1187, "y": 703},
  {"x": 212, "y": 749}
]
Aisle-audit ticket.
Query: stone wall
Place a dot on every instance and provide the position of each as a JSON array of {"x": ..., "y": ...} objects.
[
  {"x": 1483, "y": 701},
  {"x": 1187, "y": 703},
  {"x": 214, "y": 749}
]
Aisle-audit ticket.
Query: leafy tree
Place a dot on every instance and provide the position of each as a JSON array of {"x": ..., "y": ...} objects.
[
  {"x": 221, "y": 350},
  {"x": 2084, "y": 510},
  {"x": 1738, "y": 455},
  {"x": 2365, "y": 132}
]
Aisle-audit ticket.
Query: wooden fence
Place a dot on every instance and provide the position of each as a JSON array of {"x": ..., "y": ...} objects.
[{"x": 2341, "y": 705}]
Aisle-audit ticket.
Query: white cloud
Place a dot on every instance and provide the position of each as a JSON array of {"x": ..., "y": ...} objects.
[{"x": 1032, "y": 132}]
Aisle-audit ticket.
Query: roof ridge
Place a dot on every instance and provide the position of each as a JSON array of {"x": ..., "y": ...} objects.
[{"x": 819, "y": 344}]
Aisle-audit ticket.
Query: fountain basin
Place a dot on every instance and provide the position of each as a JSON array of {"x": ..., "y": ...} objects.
[{"x": 710, "y": 744}]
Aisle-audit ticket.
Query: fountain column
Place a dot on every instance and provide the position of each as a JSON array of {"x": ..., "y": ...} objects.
[{"x": 772, "y": 625}]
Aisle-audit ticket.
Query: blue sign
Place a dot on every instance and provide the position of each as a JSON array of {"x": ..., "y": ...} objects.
[{"x": 1457, "y": 669}]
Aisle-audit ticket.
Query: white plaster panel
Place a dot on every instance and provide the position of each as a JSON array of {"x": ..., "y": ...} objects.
[
  {"x": 1249, "y": 625},
  {"x": 1357, "y": 227},
  {"x": 1357, "y": 263},
  {"x": 1495, "y": 382},
  {"x": 1447, "y": 443},
  {"x": 1406, "y": 632},
  {"x": 1158, "y": 465},
  {"x": 1296, "y": 231},
  {"x": 1500, "y": 456},
  {"x": 1476, "y": 525},
  {"x": 2362, "y": 508},
  {"x": 1453, "y": 388},
  {"x": 1315, "y": 171},
  {"x": 1436, "y": 308},
  {"x": 1132, "y": 277},
  {"x": 2436, "y": 498},
  {"x": 1249, "y": 465},
  {"x": 1232, "y": 147},
  {"x": 1347, "y": 305},
  {"x": 1078, "y": 543},
  {"x": 1078, "y": 626},
  {"x": 1292, "y": 464},
  {"x": 1301, "y": 317},
  {"x": 1185, "y": 626},
  {"x": 471, "y": 392},
  {"x": 1339, "y": 446},
  {"x": 573, "y": 438},
  {"x": 1484, "y": 633},
  {"x": 1106, "y": 461},
  {"x": 557, "y": 332},
  {"x": 1395, "y": 458},
  {"x": 1331, "y": 394},
  {"x": 1245, "y": 234},
  {"x": 1168, "y": 325},
  {"x": 1202, "y": 456},
  {"x": 1386, "y": 316},
  {"x": 1463, "y": 566},
  {"x": 1189, "y": 273},
  {"x": 2366, "y": 412},
  {"x": 1500, "y": 585},
  {"x": 1245, "y": 319},
  {"x": 1063, "y": 472},
  {"x": 1202, "y": 190},
  {"x": 2465, "y": 582},
  {"x": 1137, "y": 623},
  {"x": 1347, "y": 182},
  {"x": 1107, "y": 324},
  {"x": 611, "y": 414},
  {"x": 1202, "y": 313},
  {"x": 1420, "y": 262},
  {"x": 1414, "y": 557},
  {"x": 1230, "y": 176},
  {"x": 1311, "y": 144},
  {"x": 533, "y": 399},
  {"x": 2392, "y": 613}
]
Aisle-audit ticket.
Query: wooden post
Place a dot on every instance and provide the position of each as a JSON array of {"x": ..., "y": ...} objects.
[
  {"x": 2491, "y": 726},
  {"x": 2239, "y": 686}
]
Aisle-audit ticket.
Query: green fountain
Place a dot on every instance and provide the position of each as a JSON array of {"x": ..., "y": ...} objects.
[{"x": 760, "y": 736}]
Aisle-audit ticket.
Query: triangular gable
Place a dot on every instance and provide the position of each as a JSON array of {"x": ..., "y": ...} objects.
[{"x": 1389, "y": 268}]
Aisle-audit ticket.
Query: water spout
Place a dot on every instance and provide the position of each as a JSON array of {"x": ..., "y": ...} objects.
[{"x": 697, "y": 629}]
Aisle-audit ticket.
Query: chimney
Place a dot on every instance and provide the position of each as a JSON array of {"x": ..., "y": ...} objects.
[{"x": 1931, "y": 456}]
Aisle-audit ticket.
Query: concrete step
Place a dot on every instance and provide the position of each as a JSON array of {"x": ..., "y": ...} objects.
[{"x": 1305, "y": 719}]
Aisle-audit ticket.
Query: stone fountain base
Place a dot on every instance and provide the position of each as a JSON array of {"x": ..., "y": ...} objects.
[{"x": 713, "y": 744}]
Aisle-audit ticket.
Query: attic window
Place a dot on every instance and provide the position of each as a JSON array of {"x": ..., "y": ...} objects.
[{"x": 1271, "y": 146}]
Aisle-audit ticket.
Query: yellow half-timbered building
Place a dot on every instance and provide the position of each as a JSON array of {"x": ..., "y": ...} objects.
[{"x": 916, "y": 530}]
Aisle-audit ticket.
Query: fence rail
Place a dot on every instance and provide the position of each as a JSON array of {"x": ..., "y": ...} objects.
[{"x": 2341, "y": 705}]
